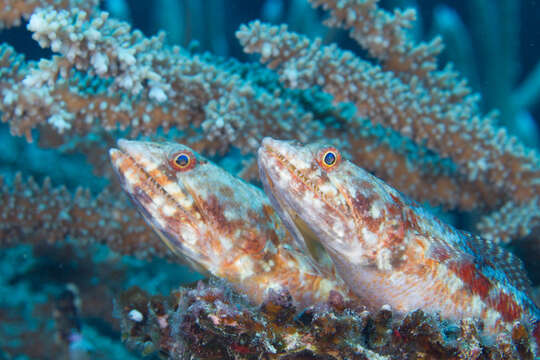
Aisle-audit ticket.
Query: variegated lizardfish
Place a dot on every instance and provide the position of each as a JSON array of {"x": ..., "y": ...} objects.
[
  {"x": 220, "y": 224},
  {"x": 388, "y": 249}
]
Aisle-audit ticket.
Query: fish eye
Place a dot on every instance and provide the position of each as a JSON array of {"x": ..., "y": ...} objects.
[
  {"x": 183, "y": 160},
  {"x": 329, "y": 158}
]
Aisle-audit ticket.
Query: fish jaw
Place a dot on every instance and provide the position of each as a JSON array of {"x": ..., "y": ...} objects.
[{"x": 164, "y": 203}]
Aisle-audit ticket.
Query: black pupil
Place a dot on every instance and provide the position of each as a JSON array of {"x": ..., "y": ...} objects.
[
  {"x": 182, "y": 160},
  {"x": 329, "y": 158}
]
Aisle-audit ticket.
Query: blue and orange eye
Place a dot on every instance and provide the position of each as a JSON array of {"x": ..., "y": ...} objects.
[
  {"x": 328, "y": 158},
  {"x": 183, "y": 160}
]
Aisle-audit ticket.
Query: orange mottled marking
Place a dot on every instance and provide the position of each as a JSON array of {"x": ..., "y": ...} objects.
[
  {"x": 439, "y": 253},
  {"x": 469, "y": 274},
  {"x": 536, "y": 332},
  {"x": 396, "y": 234},
  {"x": 158, "y": 176},
  {"x": 253, "y": 243},
  {"x": 411, "y": 219},
  {"x": 506, "y": 306}
]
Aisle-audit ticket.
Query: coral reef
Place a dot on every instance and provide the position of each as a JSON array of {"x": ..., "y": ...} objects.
[
  {"x": 100, "y": 80},
  {"x": 397, "y": 114}
]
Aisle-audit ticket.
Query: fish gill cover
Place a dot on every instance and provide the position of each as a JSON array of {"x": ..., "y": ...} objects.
[{"x": 75, "y": 76}]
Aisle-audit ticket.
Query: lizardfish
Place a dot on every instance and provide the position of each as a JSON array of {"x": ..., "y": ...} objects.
[
  {"x": 388, "y": 249},
  {"x": 218, "y": 223}
]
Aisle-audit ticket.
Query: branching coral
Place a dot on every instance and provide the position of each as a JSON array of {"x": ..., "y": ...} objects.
[
  {"x": 169, "y": 87},
  {"x": 36, "y": 214}
]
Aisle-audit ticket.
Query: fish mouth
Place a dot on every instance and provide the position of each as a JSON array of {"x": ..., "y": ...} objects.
[{"x": 306, "y": 239}]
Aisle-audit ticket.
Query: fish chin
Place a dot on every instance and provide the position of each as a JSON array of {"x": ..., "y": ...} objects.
[
  {"x": 315, "y": 248},
  {"x": 174, "y": 243}
]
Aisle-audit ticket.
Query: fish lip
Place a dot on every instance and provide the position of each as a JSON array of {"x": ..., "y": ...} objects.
[
  {"x": 115, "y": 153},
  {"x": 267, "y": 142},
  {"x": 120, "y": 151},
  {"x": 265, "y": 153},
  {"x": 123, "y": 144},
  {"x": 268, "y": 151},
  {"x": 126, "y": 147}
]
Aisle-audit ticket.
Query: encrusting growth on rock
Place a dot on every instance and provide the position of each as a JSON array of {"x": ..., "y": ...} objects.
[{"x": 211, "y": 321}]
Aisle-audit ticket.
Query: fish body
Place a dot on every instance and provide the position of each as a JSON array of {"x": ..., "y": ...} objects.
[
  {"x": 388, "y": 249},
  {"x": 218, "y": 223}
]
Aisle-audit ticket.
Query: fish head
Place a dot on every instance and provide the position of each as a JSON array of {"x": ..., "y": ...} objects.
[
  {"x": 326, "y": 198},
  {"x": 205, "y": 215}
]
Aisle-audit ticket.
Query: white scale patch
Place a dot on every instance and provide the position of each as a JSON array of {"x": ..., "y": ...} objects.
[
  {"x": 189, "y": 235},
  {"x": 376, "y": 209},
  {"x": 292, "y": 264},
  {"x": 156, "y": 217},
  {"x": 173, "y": 189},
  {"x": 355, "y": 254},
  {"x": 131, "y": 176},
  {"x": 328, "y": 190},
  {"x": 266, "y": 266},
  {"x": 453, "y": 283},
  {"x": 369, "y": 237},
  {"x": 312, "y": 202},
  {"x": 492, "y": 316},
  {"x": 168, "y": 210},
  {"x": 226, "y": 243},
  {"x": 150, "y": 166},
  {"x": 118, "y": 160},
  {"x": 158, "y": 200},
  {"x": 442, "y": 273},
  {"x": 383, "y": 260},
  {"x": 339, "y": 229},
  {"x": 230, "y": 213},
  {"x": 283, "y": 179},
  {"x": 128, "y": 186},
  {"x": 297, "y": 161},
  {"x": 244, "y": 265},
  {"x": 476, "y": 306},
  {"x": 325, "y": 286},
  {"x": 416, "y": 295},
  {"x": 175, "y": 192},
  {"x": 447, "y": 277}
]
